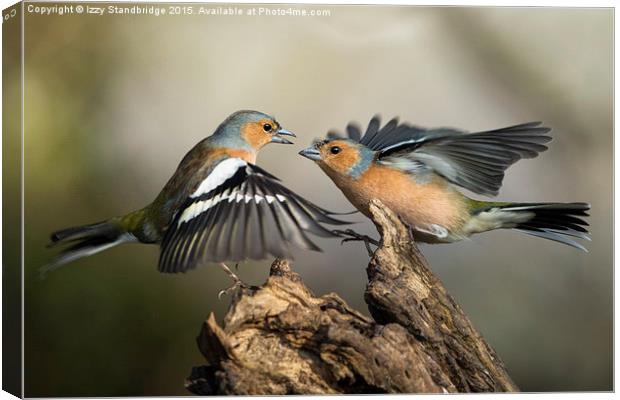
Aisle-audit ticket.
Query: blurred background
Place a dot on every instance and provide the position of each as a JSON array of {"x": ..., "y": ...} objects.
[{"x": 114, "y": 102}]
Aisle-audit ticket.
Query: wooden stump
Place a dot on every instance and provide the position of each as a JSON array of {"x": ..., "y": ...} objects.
[{"x": 281, "y": 339}]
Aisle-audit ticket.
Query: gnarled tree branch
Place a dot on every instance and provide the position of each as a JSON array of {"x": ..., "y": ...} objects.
[{"x": 281, "y": 339}]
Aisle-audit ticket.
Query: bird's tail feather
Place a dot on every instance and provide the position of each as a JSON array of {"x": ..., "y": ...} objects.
[
  {"x": 561, "y": 222},
  {"x": 86, "y": 240}
]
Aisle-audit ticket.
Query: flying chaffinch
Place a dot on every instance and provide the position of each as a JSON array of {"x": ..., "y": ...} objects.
[
  {"x": 218, "y": 206},
  {"x": 414, "y": 171}
]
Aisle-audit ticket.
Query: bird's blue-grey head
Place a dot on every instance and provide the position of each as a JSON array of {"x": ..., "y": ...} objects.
[
  {"x": 249, "y": 130},
  {"x": 340, "y": 156}
]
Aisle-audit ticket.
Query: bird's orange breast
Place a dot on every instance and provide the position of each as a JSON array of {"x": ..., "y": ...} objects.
[
  {"x": 418, "y": 203},
  {"x": 247, "y": 156}
]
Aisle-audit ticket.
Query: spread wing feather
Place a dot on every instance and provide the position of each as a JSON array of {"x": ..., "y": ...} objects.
[
  {"x": 238, "y": 212},
  {"x": 475, "y": 161},
  {"x": 354, "y": 131}
]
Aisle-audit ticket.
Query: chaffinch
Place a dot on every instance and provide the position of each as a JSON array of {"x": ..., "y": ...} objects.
[
  {"x": 218, "y": 206},
  {"x": 414, "y": 171}
]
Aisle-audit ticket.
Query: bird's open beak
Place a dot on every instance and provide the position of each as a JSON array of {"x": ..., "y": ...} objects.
[
  {"x": 277, "y": 138},
  {"x": 312, "y": 153}
]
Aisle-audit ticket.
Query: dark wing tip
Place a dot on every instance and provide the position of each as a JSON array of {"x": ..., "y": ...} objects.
[
  {"x": 328, "y": 212},
  {"x": 583, "y": 206},
  {"x": 535, "y": 128},
  {"x": 333, "y": 135},
  {"x": 373, "y": 125},
  {"x": 354, "y": 131}
]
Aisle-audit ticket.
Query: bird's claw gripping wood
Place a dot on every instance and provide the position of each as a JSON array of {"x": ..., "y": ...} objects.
[
  {"x": 354, "y": 237},
  {"x": 237, "y": 282}
]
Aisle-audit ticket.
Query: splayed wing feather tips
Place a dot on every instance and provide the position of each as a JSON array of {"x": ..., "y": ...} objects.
[
  {"x": 240, "y": 212},
  {"x": 475, "y": 161}
]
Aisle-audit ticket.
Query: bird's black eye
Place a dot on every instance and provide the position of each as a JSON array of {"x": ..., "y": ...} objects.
[
  {"x": 334, "y": 149},
  {"x": 267, "y": 127}
]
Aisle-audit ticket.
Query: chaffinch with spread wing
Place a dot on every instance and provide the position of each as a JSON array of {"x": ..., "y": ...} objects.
[
  {"x": 218, "y": 206},
  {"x": 415, "y": 171}
]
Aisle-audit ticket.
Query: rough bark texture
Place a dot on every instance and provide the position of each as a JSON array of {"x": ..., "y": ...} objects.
[{"x": 281, "y": 339}]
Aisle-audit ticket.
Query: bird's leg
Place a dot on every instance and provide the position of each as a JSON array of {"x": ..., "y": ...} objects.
[
  {"x": 354, "y": 236},
  {"x": 438, "y": 231},
  {"x": 411, "y": 231},
  {"x": 236, "y": 281}
]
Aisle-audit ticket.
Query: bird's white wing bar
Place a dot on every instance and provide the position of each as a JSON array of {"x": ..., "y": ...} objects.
[
  {"x": 220, "y": 174},
  {"x": 240, "y": 212},
  {"x": 475, "y": 161},
  {"x": 201, "y": 206}
]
